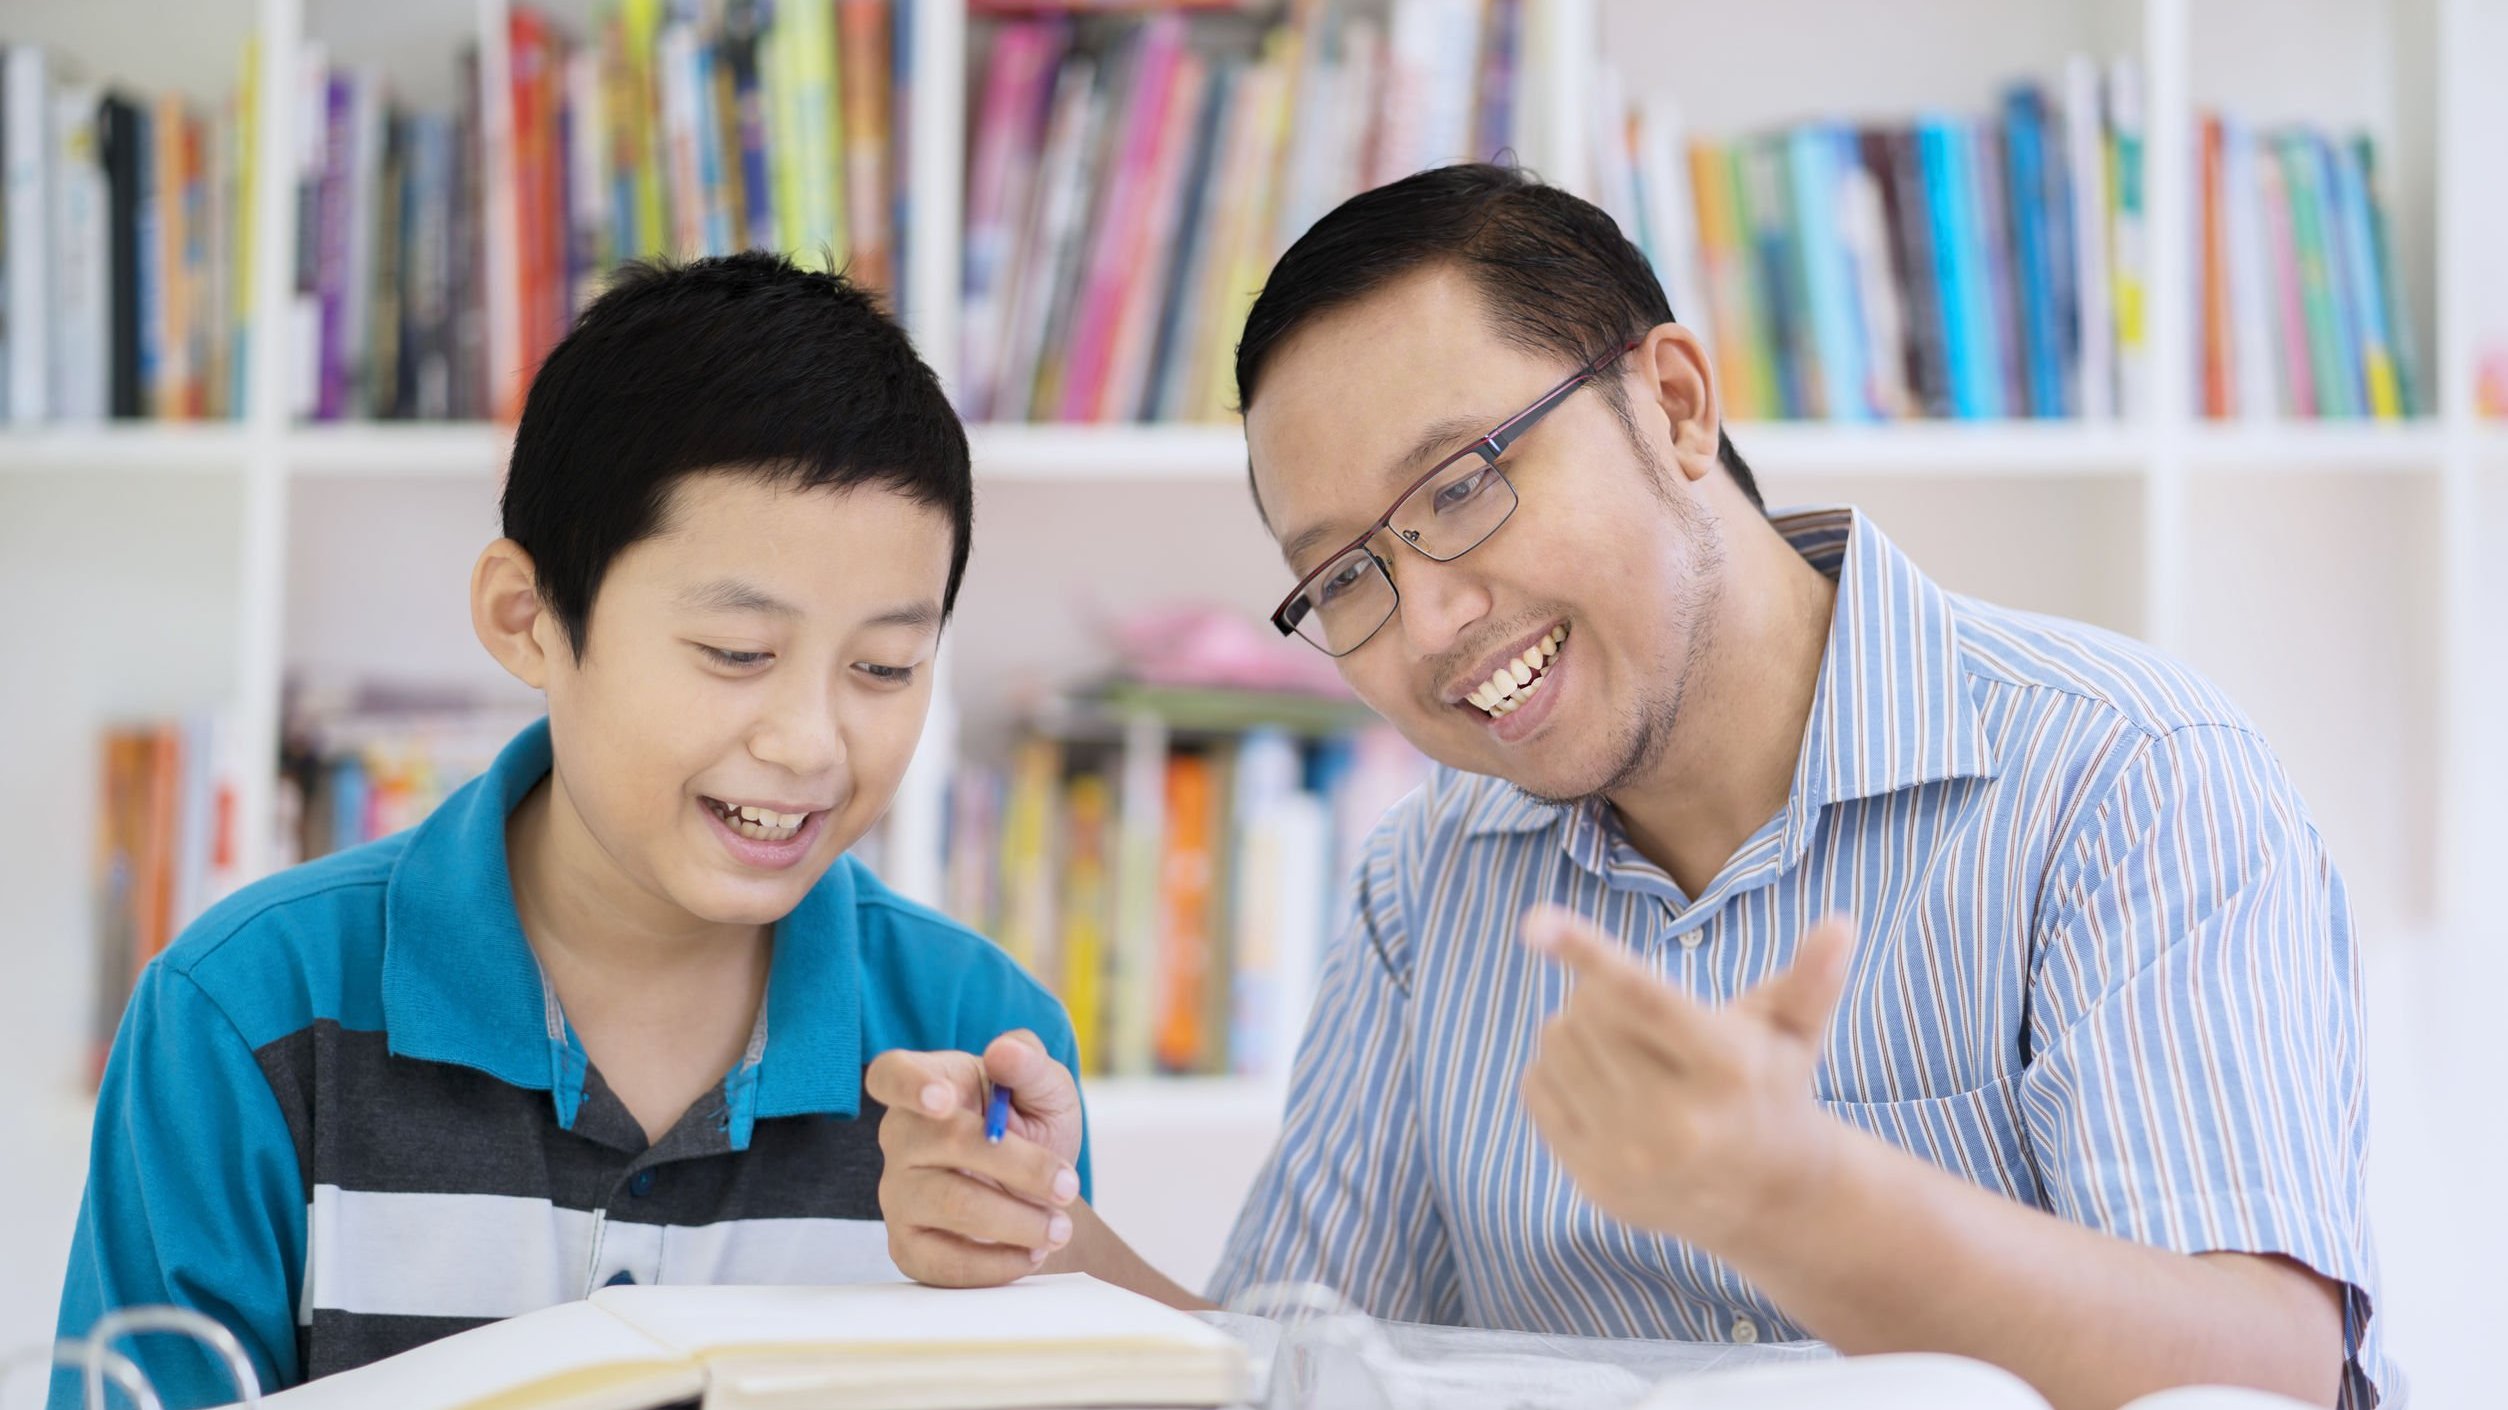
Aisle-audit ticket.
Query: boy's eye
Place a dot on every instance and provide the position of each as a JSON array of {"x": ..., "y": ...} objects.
[
  {"x": 737, "y": 660},
  {"x": 887, "y": 675}
]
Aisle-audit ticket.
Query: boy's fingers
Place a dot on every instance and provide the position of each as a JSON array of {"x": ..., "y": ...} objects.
[
  {"x": 930, "y": 1084},
  {"x": 1020, "y": 1166},
  {"x": 952, "y": 1202},
  {"x": 946, "y": 1261},
  {"x": 1039, "y": 1086}
]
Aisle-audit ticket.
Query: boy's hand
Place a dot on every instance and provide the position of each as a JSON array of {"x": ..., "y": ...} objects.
[
  {"x": 1678, "y": 1118},
  {"x": 962, "y": 1212}
]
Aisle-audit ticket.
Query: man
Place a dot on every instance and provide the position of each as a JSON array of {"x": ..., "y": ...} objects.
[{"x": 1787, "y": 947}]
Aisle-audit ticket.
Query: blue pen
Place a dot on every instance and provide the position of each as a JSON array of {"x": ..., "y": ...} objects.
[{"x": 997, "y": 1115}]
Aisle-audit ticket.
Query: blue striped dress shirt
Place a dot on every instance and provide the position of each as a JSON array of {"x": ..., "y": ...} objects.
[{"x": 2106, "y": 969}]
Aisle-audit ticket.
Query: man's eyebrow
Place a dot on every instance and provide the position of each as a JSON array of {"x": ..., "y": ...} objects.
[
  {"x": 735, "y": 595},
  {"x": 1446, "y": 434}
]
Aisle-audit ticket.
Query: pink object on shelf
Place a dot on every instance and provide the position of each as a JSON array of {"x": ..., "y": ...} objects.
[
  {"x": 1216, "y": 648},
  {"x": 2490, "y": 392}
]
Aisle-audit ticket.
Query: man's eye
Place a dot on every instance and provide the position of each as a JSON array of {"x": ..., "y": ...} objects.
[
  {"x": 1463, "y": 491},
  {"x": 735, "y": 659},
  {"x": 1342, "y": 581},
  {"x": 888, "y": 675}
]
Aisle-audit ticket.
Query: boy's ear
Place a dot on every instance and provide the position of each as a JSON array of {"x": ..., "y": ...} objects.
[{"x": 506, "y": 612}]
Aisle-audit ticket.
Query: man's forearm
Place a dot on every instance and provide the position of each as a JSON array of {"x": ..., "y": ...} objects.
[
  {"x": 1888, "y": 1253},
  {"x": 1099, "y": 1252}
]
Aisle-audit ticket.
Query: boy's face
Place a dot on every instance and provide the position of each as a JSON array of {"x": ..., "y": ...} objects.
[{"x": 769, "y": 650}]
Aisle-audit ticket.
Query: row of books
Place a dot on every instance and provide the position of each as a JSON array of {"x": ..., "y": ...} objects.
[
  {"x": 1963, "y": 266},
  {"x": 2299, "y": 313},
  {"x": 388, "y": 315},
  {"x": 1129, "y": 183},
  {"x": 686, "y": 130},
  {"x": 166, "y": 847},
  {"x": 444, "y": 255},
  {"x": 1174, "y": 883},
  {"x": 126, "y": 247}
]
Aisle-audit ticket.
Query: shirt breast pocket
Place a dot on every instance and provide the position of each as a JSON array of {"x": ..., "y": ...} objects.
[{"x": 1977, "y": 1134}]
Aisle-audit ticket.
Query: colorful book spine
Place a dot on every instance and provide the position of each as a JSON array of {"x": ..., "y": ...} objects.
[
  {"x": 1827, "y": 277},
  {"x": 868, "y": 54},
  {"x": 2034, "y": 223}
]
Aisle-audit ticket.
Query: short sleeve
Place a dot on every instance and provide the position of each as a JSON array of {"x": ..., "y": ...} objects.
[
  {"x": 194, "y": 1196},
  {"x": 2194, "y": 1078}
]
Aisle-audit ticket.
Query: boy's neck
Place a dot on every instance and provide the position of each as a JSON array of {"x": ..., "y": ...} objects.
[
  {"x": 574, "y": 900},
  {"x": 662, "y": 1001}
]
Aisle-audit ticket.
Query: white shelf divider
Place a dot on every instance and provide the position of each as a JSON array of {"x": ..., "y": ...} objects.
[
  {"x": 458, "y": 450},
  {"x": 216, "y": 447},
  {"x": 2341, "y": 447}
]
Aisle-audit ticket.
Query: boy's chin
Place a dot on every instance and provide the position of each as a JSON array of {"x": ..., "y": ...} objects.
[{"x": 720, "y": 900}]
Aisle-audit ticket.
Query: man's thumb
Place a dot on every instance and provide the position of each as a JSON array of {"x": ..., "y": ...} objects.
[{"x": 1801, "y": 999}]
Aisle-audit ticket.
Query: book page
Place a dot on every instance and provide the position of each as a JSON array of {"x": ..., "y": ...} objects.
[
  {"x": 570, "y": 1357},
  {"x": 1060, "y": 1312}
]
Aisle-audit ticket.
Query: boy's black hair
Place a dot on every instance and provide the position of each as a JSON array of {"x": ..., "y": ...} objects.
[
  {"x": 1554, "y": 272},
  {"x": 740, "y": 362}
]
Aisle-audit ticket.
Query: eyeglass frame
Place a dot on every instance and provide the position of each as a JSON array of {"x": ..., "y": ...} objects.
[{"x": 1489, "y": 446}]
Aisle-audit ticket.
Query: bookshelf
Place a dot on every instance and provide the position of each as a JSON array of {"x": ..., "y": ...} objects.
[{"x": 2357, "y": 628}]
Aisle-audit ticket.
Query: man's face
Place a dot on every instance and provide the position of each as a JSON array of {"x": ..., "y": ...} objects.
[
  {"x": 769, "y": 649},
  {"x": 1608, "y": 556}
]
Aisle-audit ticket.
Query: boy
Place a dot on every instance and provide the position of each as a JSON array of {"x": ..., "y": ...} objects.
[{"x": 603, "y": 1017}]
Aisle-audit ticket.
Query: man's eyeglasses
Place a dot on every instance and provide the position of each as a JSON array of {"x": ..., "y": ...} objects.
[{"x": 1446, "y": 513}]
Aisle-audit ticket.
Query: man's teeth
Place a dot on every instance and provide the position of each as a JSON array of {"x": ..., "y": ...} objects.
[
  {"x": 1512, "y": 684},
  {"x": 760, "y": 824}
]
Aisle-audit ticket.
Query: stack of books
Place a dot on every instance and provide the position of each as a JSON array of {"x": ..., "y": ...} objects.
[
  {"x": 2299, "y": 314},
  {"x": 1960, "y": 266},
  {"x": 1130, "y": 182},
  {"x": 126, "y": 247},
  {"x": 1172, "y": 863}
]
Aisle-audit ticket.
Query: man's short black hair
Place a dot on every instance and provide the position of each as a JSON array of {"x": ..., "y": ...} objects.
[
  {"x": 741, "y": 362},
  {"x": 1555, "y": 272}
]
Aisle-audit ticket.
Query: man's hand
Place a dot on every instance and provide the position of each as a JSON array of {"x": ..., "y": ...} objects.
[
  {"x": 1693, "y": 1122},
  {"x": 962, "y": 1212}
]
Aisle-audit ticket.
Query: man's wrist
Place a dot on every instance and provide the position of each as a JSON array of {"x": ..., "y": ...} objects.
[{"x": 1800, "y": 1206}]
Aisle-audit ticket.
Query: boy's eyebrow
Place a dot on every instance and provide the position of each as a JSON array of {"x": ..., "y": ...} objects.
[
  {"x": 926, "y": 613},
  {"x": 735, "y": 595}
]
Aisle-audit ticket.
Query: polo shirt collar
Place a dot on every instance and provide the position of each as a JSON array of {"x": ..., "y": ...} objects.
[{"x": 461, "y": 985}]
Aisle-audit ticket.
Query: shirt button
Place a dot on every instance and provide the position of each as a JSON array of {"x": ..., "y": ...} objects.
[
  {"x": 1745, "y": 1331},
  {"x": 641, "y": 1185},
  {"x": 1692, "y": 940}
]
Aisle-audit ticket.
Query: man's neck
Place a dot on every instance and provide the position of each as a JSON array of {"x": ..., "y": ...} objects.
[{"x": 1729, "y": 766}]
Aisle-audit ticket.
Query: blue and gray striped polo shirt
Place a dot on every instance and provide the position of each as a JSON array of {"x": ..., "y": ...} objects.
[
  {"x": 345, "y": 1115},
  {"x": 2106, "y": 969}
]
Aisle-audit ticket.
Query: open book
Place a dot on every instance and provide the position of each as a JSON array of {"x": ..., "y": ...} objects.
[{"x": 1047, "y": 1341}]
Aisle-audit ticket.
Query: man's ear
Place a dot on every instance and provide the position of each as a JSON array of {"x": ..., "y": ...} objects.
[
  {"x": 507, "y": 613},
  {"x": 1679, "y": 378}
]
